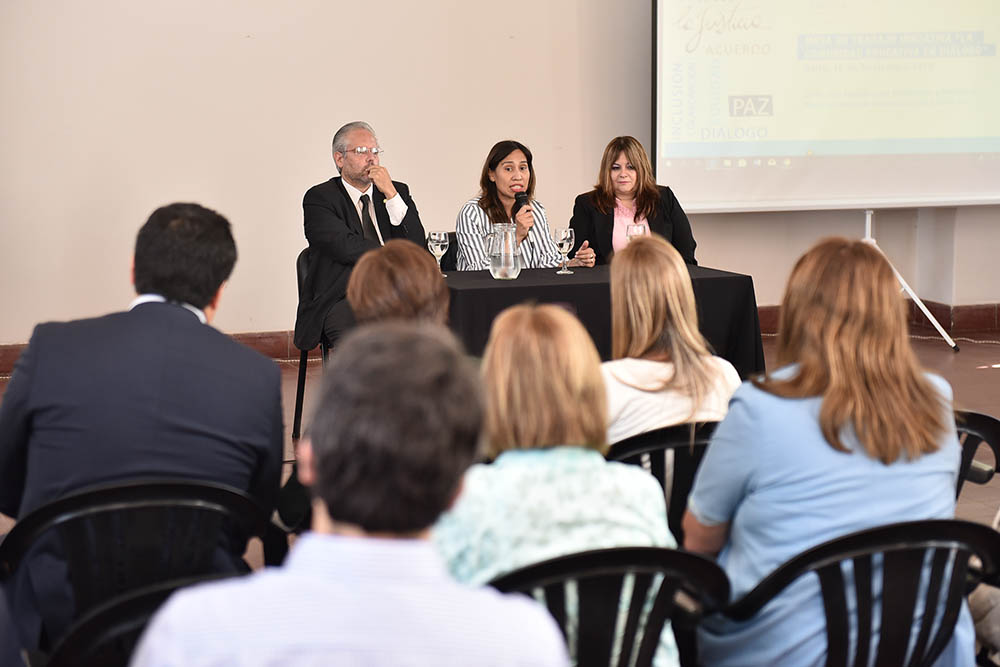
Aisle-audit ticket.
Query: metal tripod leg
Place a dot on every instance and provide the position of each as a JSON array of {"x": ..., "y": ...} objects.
[{"x": 906, "y": 287}]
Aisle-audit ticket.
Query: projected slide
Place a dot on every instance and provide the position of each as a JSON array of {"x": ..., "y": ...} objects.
[{"x": 807, "y": 88}]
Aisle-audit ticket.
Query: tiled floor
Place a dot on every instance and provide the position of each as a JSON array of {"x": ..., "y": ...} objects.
[{"x": 974, "y": 374}]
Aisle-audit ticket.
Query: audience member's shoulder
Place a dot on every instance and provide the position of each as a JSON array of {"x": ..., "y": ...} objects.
[
  {"x": 532, "y": 632},
  {"x": 727, "y": 372},
  {"x": 940, "y": 385},
  {"x": 634, "y": 480}
]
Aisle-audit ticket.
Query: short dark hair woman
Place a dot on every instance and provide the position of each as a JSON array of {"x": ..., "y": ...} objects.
[
  {"x": 507, "y": 172},
  {"x": 627, "y": 194}
]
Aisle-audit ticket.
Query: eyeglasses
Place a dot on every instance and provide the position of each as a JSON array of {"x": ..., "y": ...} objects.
[{"x": 364, "y": 150}]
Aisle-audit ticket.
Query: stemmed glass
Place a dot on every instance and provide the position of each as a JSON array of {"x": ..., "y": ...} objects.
[
  {"x": 564, "y": 237},
  {"x": 634, "y": 230},
  {"x": 437, "y": 243}
]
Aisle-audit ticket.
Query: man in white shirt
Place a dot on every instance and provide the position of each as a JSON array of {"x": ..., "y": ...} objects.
[
  {"x": 344, "y": 217},
  {"x": 394, "y": 430}
]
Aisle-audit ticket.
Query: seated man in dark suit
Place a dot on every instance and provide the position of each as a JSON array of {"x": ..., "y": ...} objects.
[
  {"x": 344, "y": 217},
  {"x": 150, "y": 392}
]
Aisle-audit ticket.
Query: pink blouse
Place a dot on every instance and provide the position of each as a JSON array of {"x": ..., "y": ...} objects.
[{"x": 624, "y": 216}]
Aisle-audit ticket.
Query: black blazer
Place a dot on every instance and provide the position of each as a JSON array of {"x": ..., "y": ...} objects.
[
  {"x": 669, "y": 221},
  {"x": 336, "y": 242},
  {"x": 151, "y": 392}
]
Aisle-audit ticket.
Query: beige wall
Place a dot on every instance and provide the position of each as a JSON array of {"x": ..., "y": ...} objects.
[{"x": 111, "y": 108}]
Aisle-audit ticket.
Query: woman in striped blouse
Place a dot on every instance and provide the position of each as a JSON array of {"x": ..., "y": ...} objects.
[{"x": 507, "y": 172}]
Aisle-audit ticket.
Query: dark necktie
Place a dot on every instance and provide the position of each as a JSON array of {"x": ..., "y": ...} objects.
[{"x": 367, "y": 226}]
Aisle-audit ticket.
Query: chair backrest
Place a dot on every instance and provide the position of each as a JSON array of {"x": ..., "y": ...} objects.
[
  {"x": 449, "y": 261},
  {"x": 977, "y": 429},
  {"x": 673, "y": 458},
  {"x": 653, "y": 584},
  {"x": 930, "y": 557},
  {"x": 120, "y": 537},
  {"x": 301, "y": 269},
  {"x": 107, "y": 635}
]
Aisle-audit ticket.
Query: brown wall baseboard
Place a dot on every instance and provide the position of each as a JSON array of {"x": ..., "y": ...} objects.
[{"x": 955, "y": 320}]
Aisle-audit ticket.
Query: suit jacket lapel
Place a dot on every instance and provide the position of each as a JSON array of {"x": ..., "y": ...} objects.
[
  {"x": 605, "y": 225},
  {"x": 351, "y": 214}
]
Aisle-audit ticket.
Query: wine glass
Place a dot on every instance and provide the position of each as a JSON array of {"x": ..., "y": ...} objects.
[
  {"x": 634, "y": 230},
  {"x": 564, "y": 237},
  {"x": 437, "y": 243}
]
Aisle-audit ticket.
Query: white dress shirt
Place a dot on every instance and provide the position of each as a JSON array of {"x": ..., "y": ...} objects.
[
  {"x": 350, "y": 601},
  {"x": 396, "y": 207},
  {"x": 157, "y": 298}
]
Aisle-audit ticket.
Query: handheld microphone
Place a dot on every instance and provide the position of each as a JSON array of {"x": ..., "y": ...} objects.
[{"x": 520, "y": 201}]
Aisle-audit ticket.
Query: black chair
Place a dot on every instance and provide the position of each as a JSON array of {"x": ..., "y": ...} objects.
[
  {"x": 977, "y": 429},
  {"x": 301, "y": 267},
  {"x": 652, "y": 447},
  {"x": 107, "y": 635},
  {"x": 121, "y": 537},
  {"x": 904, "y": 548},
  {"x": 672, "y": 585},
  {"x": 449, "y": 261}
]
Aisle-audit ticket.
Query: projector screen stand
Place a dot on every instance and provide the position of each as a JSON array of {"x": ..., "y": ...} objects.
[{"x": 906, "y": 288}]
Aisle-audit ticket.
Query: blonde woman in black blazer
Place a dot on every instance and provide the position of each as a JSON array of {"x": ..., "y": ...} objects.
[{"x": 626, "y": 193}]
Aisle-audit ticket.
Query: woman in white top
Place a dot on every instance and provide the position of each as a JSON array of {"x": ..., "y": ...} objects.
[
  {"x": 662, "y": 373},
  {"x": 506, "y": 173}
]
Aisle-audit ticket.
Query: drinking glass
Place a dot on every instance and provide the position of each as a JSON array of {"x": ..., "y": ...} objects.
[
  {"x": 437, "y": 243},
  {"x": 564, "y": 237},
  {"x": 635, "y": 230}
]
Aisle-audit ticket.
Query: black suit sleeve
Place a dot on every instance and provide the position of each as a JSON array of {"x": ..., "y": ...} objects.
[
  {"x": 582, "y": 224},
  {"x": 410, "y": 227},
  {"x": 14, "y": 431},
  {"x": 327, "y": 228},
  {"x": 681, "y": 236},
  {"x": 267, "y": 477}
]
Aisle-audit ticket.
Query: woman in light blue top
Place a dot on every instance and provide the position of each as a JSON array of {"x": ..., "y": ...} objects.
[
  {"x": 549, "y": 491},
  {"x": 848, "y": 434}
]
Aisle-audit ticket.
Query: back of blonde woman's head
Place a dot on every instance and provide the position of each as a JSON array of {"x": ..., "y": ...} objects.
[
  {"x": 843, "y": 322},
  {"x": 652, "y": 303},
  {"x": 543, "y": 382},
  {"x": 654, "y": 316}
]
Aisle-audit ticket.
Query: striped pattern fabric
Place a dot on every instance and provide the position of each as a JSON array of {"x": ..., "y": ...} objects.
[{"x": 538, "y": 250}]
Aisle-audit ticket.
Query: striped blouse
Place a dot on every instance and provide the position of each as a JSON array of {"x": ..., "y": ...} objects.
[{"x": 538, "y": 250}]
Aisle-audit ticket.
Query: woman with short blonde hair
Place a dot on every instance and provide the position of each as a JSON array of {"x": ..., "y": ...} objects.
[
  {"x": 663, "y": 372},
  {"x": 549, "y": 491},
  {"x": 544, "y": 384},
  {"x": 848, "y": 434}
]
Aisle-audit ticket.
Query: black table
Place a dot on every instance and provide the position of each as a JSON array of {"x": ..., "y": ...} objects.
[{"x": 727, "y": 307}]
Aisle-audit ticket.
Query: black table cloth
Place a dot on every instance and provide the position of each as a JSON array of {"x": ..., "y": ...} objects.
[{"x": 727, "y": 307}]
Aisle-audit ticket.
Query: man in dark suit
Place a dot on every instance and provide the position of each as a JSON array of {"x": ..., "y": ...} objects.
[
  {"x": 344, "y": 217},
  {"x": 150, "y": 392}
]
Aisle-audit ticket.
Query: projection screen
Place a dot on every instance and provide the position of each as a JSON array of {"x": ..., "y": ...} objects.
[{"x": 799, "y": 104}]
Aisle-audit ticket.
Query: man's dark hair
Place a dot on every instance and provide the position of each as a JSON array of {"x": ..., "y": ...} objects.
[
  {"x": 184, "y": 253},
  {"x": 396, "y": 426}
]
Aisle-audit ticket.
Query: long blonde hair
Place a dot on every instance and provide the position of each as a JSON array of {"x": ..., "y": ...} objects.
[
  {"x": 654, "y": 316},
  {"x": 843, "y": 322},
  {"x": 543, "y": 382}
]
